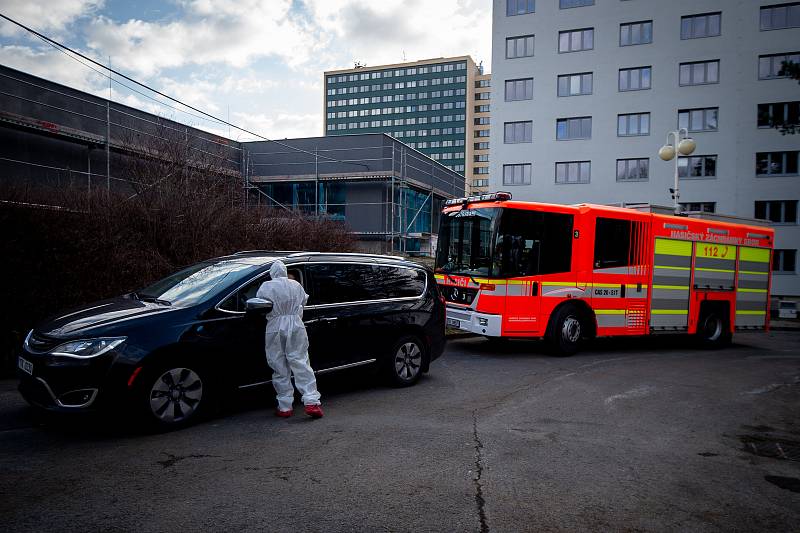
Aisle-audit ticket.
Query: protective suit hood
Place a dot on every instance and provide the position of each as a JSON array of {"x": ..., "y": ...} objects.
[{"x": 277, "y": 270}]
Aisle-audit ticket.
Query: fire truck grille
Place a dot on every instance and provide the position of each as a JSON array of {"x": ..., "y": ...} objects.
[{"x": 459, "y": 295}]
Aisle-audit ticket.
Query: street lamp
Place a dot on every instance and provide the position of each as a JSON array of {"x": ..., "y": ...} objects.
[{"x": 683, "y": 145}]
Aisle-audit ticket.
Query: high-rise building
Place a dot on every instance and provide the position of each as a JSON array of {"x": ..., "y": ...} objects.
[
  {"x": 428, "y": 105},
  {"x": 585, "y": 93},
  {"x": 479, "y": 168}
]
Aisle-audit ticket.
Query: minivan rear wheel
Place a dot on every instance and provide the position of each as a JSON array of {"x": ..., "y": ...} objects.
[{"x": 403, "y": 367}]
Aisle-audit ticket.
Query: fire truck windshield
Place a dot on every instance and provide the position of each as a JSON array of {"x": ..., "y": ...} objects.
[
  {"x": 466, "y": 239},
  {"x": 504, "y": 243}
]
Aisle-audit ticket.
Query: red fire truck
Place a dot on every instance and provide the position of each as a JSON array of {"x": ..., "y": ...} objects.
[{"x": 568, "y": 273}]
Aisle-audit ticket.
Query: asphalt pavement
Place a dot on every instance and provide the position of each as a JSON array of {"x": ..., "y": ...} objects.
[{"x": 636, "y": 435}]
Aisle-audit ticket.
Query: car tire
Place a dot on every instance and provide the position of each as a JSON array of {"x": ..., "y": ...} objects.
[
  {"x": 403, "y": 366},
  {"x": 566, "y": 331},
  {"x": 713, "y": 331},
  {"x": 174, "y": 395}
]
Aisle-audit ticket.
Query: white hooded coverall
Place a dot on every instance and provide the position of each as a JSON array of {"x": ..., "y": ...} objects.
[{"x": 286, "y": 341}]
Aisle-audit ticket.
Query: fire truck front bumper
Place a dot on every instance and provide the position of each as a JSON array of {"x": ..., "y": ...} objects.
[{"x": 474, "y": 322}]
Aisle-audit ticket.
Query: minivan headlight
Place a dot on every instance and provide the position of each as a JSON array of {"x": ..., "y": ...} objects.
[{"x": 84, "y": 349}]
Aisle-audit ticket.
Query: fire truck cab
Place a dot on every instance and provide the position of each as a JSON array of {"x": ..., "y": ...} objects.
[{"x": 568, "y": 273}]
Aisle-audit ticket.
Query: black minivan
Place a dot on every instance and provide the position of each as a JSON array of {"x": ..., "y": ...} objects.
[{"x": 197, "y": 335}]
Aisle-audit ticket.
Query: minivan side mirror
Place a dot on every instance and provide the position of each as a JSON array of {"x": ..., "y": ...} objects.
[{"x": 258, "y": 306}]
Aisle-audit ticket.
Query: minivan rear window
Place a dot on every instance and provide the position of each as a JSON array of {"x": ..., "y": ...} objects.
[{"x": 347, "y": 282}]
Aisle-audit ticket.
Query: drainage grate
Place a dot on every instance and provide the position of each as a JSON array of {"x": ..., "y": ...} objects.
[{"x": 775, "y": 448}]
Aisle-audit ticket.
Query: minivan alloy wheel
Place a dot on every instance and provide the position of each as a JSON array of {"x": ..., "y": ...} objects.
[
  {"x": 408, "y": 360},
  {"x": 176, "y": 395}
]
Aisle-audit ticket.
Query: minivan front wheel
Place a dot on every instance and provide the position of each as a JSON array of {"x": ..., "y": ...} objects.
[
  {"x": 404, "y": 366},
  {"x": 174, "y": 395}
]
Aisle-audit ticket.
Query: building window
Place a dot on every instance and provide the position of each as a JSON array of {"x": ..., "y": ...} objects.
[
  {"x": 778, "y": 114},
  {"x": 634, "y": 79},
  {"x": 770, "y": 67},
  {"x": 481, "y": 108},
  {"x": 777, "y": 163},
  {"x": 633, "y": 169},
  {"x": 520, "y": 7},
  {"x": 518, "y": 132},
  {"x": 483, "y": 83},
  {"x": 481, "y": 158},
  {"x": 632, "y": 124},
  {"x": 574, "y": 128},
  {"x": 575, "y": 84},
  {"x": 517, "y": 174},
  {"x": 575, "y": 40},
  {"x": 699, "y": 72},
  {"x": 480, "y": 146},
  {"x": 481, "y": 133},
  {"x": 699, "y": 207},
  {"x": 573, "y": 172},
  {"x": 519, "y": 47},
  {"x": 480, "y": 170},
  {"x": 481, "y": 121},
  {"x": 781, "y": 16},
  {"x": 697, "y": 26},
  {"x": 567, "y": 4},
  {"x": 697, "y": 166},
  {"x": 480, "y": 183},
  {"x": 633, "y": 33},
  {"x": 698, "y": 119},
  {"x": 777, "y": 211},
  {"x": 783, "y": 261},
  {"x": 521, "y": 89}
]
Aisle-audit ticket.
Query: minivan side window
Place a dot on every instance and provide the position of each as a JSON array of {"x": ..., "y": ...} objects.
[
  {"x": 236, "y": 302},
  {"x": 347, "y": 282}
]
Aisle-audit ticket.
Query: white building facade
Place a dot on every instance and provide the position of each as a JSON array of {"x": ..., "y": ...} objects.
[{"x": 584, "y": 92}]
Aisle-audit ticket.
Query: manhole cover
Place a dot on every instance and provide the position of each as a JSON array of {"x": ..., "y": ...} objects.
[{"x": 775, "y": 448}]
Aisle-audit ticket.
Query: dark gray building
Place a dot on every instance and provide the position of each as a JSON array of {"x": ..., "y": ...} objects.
[{"x": 388, "y": 193}]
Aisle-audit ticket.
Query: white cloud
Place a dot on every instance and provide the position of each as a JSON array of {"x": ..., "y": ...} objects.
[
  {"x": 280, "y": 124},
  {"x": 48, "y": 16},
  {"x": 210, "y": 31},
  {"x": 53, "y": 65},
  {"x": 384, "y": 32}
]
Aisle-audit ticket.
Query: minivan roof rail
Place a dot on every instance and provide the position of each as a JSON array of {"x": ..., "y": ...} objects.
[
  {"x": 297, "y": 254},
  {"x": 287, "y": 252}
]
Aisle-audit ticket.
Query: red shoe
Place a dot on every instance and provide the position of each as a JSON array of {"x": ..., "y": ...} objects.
[
  {"x": 314, "y": 411},
  {"x": 283, "y": 414}
]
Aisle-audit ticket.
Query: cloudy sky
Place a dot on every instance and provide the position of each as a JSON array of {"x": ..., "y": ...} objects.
[{"x": 259, "y": 62}]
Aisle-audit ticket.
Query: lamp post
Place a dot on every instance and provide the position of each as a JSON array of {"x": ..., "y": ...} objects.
[{"x": 681, "y": 144}]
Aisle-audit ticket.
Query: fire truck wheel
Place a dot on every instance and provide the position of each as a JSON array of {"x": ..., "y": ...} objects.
[
  {"x": 713, "y": 330},
  {"x": 566, "y": 331}
]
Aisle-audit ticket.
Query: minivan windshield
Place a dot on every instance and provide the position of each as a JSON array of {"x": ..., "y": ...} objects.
[{"x": 200, "y": 281}]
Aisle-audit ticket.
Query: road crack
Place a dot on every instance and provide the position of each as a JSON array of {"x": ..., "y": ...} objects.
[
  {"x": 172, "y": 459},
  {"x": 480, "y": 502}
]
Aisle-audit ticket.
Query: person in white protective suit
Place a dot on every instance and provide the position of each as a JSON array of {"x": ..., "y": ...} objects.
[{"x": 286, "y": 342}]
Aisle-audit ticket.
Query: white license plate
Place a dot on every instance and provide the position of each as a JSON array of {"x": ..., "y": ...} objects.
[
  {"x": 453, "y": 323},
  {"x": 25, "y": 365}
]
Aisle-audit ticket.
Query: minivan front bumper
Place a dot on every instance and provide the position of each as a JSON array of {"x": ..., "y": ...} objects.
[{"x": 474, "y": 322}]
